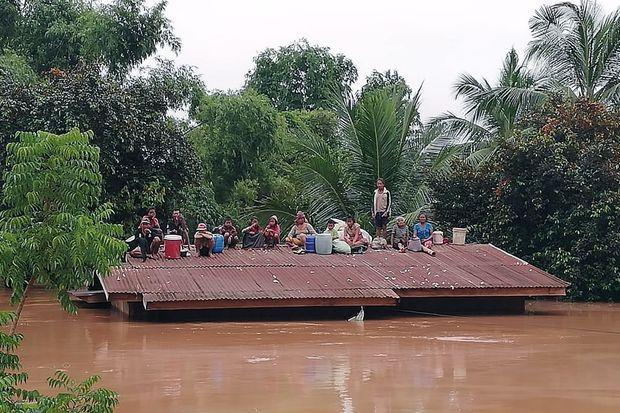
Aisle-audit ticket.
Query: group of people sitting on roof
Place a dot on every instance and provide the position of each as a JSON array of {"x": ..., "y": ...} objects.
[{"x": 347, "y": 237}]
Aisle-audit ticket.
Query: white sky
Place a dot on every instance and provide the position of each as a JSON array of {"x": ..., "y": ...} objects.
[{"x": 426, "y": 41}]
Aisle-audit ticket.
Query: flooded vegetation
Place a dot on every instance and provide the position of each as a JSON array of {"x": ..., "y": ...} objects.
[{"x": 558, "y": 357}]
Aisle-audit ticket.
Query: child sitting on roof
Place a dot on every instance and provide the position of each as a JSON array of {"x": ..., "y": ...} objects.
[
  {"x": 229, "y": 231},
  {"x": 338, "y": 245}
]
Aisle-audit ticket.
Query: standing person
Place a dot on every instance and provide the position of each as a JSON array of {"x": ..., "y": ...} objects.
[
  {"x": 229, "y": 231},
  {"x": 381, "y": 208},
  {"x": 178, "y": 226},
  {"x": 424, "y": 231},
  {"x": 353, "y": 236},
  {"x": 297, "y": 236},
  {"x": 272, "y": 232},
  {"x": 151, "y": 215},
  {"x": 146, "y": 239},
  {"x": 203, "y": 241},
  {"x": 400, "y": 235},
  {"x": 253, "y": 235}
]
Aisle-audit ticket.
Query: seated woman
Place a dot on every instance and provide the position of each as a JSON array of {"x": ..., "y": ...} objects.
[
  {"x": 203, "y": 241},
  {"x": 297, "y": 236},
  {"x": 253, "y": 235},
  {"x": 338, "y": 246},
  {"x": 145, "y": 238},
  {"x": 229, "y": 231},
  {"x": 424, "y": 231},
  {"x": 400, "y": 235},
  {"x": 272, "y": 232},
  {"x": 353, "y": 236}
]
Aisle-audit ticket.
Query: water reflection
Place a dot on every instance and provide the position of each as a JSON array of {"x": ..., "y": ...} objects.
[{"x": 483, "y": 364}]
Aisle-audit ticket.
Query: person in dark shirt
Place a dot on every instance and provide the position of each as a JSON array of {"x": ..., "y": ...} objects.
[
  {"x": 229, "y": 231},
  {"x": 146, "y": 239},
  {"x": 178, "y": 226}
]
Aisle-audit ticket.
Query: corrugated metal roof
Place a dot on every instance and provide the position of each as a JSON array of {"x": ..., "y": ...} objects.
[{"x": 279, "y": 274}]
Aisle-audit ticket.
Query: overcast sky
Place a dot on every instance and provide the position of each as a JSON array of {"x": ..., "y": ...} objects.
[{"x": 426, "y": 41}]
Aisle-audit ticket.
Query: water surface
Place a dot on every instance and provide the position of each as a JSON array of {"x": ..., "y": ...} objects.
[{"x": 560, "y": 357}]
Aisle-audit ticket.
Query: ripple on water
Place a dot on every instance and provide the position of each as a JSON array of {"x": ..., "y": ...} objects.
[
  {"x": 469, "y": 339},
  {"x": 259, "y": 359}
]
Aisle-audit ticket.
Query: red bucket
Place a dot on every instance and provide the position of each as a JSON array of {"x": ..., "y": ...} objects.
[{"x": 172, "y": 246}]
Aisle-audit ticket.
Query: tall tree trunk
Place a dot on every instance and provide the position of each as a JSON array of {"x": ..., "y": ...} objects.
[{"x": 20, "y": 307}]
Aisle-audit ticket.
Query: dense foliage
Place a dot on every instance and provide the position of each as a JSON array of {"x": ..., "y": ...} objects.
[
  {"x": 62, "y": 33},
  {"x": 52, "y": 229},
  {"x": 550, "y": 195},
  {"x": 145, "y": 154},
  {"x": 300, "y": 75}
]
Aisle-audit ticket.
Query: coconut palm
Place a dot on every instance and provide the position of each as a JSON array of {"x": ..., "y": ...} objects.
[
  {"x": 381, "y": 137},
  {"x": 580, "y": 48},
  {"x": 491, "y": 111}
]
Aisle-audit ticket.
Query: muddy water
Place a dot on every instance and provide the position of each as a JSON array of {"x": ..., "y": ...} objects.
[{"x": 558, "y": 358}]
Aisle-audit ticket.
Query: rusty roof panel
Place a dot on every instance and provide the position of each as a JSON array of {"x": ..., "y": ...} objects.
[{"x": 279, "y": 274}]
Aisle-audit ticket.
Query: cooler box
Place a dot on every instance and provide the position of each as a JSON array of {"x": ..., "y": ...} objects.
[
  {"x": 219, "y": 243},
  {"x": 172, "y": 246},
  {"x": 310, "y": 243},
  {"x": 323, "y": 244}
]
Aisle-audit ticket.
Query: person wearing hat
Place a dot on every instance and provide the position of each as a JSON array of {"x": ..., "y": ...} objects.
[
  {"x": 203, "y": 241},
  {"x": 229, "y": 231},
  {"x": 297, "y": 236},
  {"x": 272, "y": 232},
  {"x": 146, "y": 239}
]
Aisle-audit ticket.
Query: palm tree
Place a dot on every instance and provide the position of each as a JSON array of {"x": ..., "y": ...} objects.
[
  {"x": 491, "y": 111},
  {"x": 381, "y": 137},
  {"x": 580, "y": 48}
]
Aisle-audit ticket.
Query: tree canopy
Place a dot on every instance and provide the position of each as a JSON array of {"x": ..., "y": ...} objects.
[
  {"x": 62, "y": 33},
  {"x": 300, "y": 75}
]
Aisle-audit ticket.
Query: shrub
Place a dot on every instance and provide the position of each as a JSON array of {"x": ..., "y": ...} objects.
[{"x": 551, "y": 195}]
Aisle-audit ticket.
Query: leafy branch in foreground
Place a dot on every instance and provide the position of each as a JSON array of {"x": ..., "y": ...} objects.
[{"x": 51, "y": 230}]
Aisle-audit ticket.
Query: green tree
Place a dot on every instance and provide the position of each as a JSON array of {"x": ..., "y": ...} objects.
[
  {"x": 489, "y": 113},
  {"x": 377, "y": 141},
  {"x": 143, "y": 149},
  {"x": 388, "y": 79},
  {"x": 580, "y": 47},
  {"x": 235, "y": 139},
  {"x": 550, "y": 195},
  {"x": 62, "y": 33},
  {"x": 53, "y": 232},
  {"x": 300, "y": 75}
]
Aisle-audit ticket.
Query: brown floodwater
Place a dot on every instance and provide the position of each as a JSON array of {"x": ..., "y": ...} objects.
[{"x": 559, "y": 357}]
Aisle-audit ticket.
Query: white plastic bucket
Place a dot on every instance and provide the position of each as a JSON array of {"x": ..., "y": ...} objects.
[
  {"x": 323, "y": 244},
  {"x": 458, "y": 236},
  {"x": 437, "y": 237}
]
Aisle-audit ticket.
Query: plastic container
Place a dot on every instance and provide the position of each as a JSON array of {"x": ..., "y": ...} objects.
[
  {"x": 414, "y": 244},
  {"x": 310, "y": 243},
  {"x": 437, "y": 237},
  {"x": 219, "y": 243},
  {"x": 323, "y": 244},
  {"x": 172, "y": 246},
  {"x": 458, "y": 236}
]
